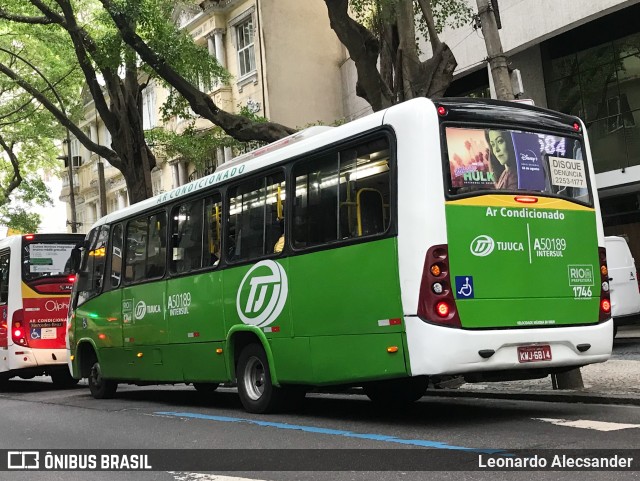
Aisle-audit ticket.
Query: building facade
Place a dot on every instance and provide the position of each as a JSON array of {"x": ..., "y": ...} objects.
[
  {"x": 581, "y": 58},
  {"x": 284, "y": 62}
]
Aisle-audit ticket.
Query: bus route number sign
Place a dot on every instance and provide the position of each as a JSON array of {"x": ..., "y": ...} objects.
[{"x": 534, "y": 353}]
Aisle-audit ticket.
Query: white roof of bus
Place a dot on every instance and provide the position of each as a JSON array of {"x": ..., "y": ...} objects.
[{"x": 304, "y": 141}]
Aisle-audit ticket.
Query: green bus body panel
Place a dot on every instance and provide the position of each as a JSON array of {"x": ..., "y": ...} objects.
[
  {"x": 143, "y": 314},
  {"x": 194, "y": 308},
  {"x": 294, "y": 361},
  {"x": 346, "y": 290},
  {"x": 334, "y": 357},
  {"x": 169, "y": 330},
  {"x": 526, "y": 274},
  {"x": 169, "y": 363},
  {"x": 100, "y": 315},
  {"x": 533, "y": 312}
]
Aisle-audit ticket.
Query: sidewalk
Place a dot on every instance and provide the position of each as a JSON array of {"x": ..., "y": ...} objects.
[{"x": 613, "y": 382}]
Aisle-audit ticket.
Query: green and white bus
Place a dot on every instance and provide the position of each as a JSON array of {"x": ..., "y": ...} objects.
[{"x": 449, "y": 237}]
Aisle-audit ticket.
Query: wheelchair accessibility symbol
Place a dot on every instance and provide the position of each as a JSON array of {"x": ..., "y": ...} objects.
[
  {"x": 35, "y": 333},
  {"x": 464, "y": 287}
]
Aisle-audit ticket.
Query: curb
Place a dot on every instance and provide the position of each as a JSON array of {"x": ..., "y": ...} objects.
[{"x": 565, "y": 396}]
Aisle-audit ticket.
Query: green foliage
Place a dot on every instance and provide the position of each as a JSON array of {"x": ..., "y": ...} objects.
[
  {"x": 196, "y": 145},
  {"x": 192, "y": 145},
  {"x": 44, "y": 57},
  {"x": 447, "y": 13},
  {"x": 176, "y": 46},
  {"x": 20, "y": 219}
]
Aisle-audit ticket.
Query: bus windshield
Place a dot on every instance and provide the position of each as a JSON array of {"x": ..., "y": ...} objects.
[
  {"x": 482, "y": 160},
  {"x": 48, "y": 259}
]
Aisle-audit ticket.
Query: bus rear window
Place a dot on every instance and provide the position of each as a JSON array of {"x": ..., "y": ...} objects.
[
  {"x": 482, "y": 160},
  {"x": 47, "y": 259}
]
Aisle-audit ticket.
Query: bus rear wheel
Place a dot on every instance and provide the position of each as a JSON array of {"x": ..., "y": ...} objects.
[
  {"x": 257, "y": 392},
  {"x": 63, "y": 379},
  {"x": 397, "y": 391},
  {"x": 100, "y": 387}
]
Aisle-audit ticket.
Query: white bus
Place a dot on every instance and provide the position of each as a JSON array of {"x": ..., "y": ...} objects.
[
  {"x": 36, "y": 280},
  {"x": 433, "y": 238}
]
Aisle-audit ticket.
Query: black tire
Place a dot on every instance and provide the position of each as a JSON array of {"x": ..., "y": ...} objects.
[
  {"x": 257, "y": 392},
  {"x": 63, "y": 379},
  {"x": 397, "y": 391},
  {"x": 206, "y": 388},
  {"x": 100, "y": 387}
]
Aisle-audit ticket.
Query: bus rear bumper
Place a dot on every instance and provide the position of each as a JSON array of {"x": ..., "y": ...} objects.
[
  {"x": 437, "y": 350},
  {"x": 28, "y": 358}
]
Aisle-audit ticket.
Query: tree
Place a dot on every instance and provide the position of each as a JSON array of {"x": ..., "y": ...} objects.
[
  {"x": 27, "y": 147},
  {"x": 115, "y": 77},
  {"x": 381, "y": 41}
]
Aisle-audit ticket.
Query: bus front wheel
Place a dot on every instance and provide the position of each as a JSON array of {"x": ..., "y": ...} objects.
[
  {"x": 100, "y": 387},
  {"x": 257, "y": 393}
]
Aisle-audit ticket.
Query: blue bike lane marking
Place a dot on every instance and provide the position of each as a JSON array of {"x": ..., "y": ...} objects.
[{"x": 334, "y": 432}]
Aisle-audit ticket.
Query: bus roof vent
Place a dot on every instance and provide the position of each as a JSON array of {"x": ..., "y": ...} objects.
[{"x": 278, "y": 144}]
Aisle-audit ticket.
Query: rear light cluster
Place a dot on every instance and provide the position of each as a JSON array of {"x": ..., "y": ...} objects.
[
  {"x": 18, "y": 329},
  {"x": 605, "y": 296},
  {"x": 436, "y": 303}
]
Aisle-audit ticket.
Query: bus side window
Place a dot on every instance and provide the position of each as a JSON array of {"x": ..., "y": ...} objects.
[
  {"x": 364, "y": 189},
  {"x": 314, "y": 210},
  {"x": 116, "y": 257},
  {"x": 186, "y": 237},
  {"x": 212, "y": 231},
  {"x": 256, "y": 217},
  {"x": 93, "y": 265},
  {"x": 4, "y": 278},
  {"x": 342, "y": 195},
  {"x": 156, "y": 250}
]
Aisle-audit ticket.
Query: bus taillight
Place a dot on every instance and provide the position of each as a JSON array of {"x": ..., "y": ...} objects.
[
  {"x": 18, "y": 330},
  {"x": 605, "y": 296},
  {"x": 436, "y": 303},
  {"x": 442, "y": 309}
]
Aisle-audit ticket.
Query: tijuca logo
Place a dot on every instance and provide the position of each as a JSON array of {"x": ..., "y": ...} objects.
[
  {"x": 262, "y": 294},
  {"x": 482, "y": 246}
]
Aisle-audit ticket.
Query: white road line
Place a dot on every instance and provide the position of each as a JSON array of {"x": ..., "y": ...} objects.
[
  {"x": 182, "y": 476},
  {"x": 587, "y": 424}
]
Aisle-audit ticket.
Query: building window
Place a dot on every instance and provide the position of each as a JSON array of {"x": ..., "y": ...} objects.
[
  {"x": 600, "y": 85},
  {"x": 148, "y": 108},
  {"x": 75, "y": 152},
  {"x": 246, "y": 57}
]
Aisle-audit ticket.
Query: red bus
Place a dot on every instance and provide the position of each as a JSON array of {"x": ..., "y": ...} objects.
[{"x": 36, "y": 278}]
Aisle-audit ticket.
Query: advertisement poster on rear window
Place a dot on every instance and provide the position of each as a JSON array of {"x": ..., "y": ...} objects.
[
  {"x": 50, "y": 258},
  {"x": 500, "y": 159}
]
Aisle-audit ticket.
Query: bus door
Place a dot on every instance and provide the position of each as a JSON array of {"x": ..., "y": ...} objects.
[
  {"x": 110, "y": 302},
  {"x": 96, "y": 315},
  {"x": 143, "y": 297},
  {"x": 194, "y": 292}
]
